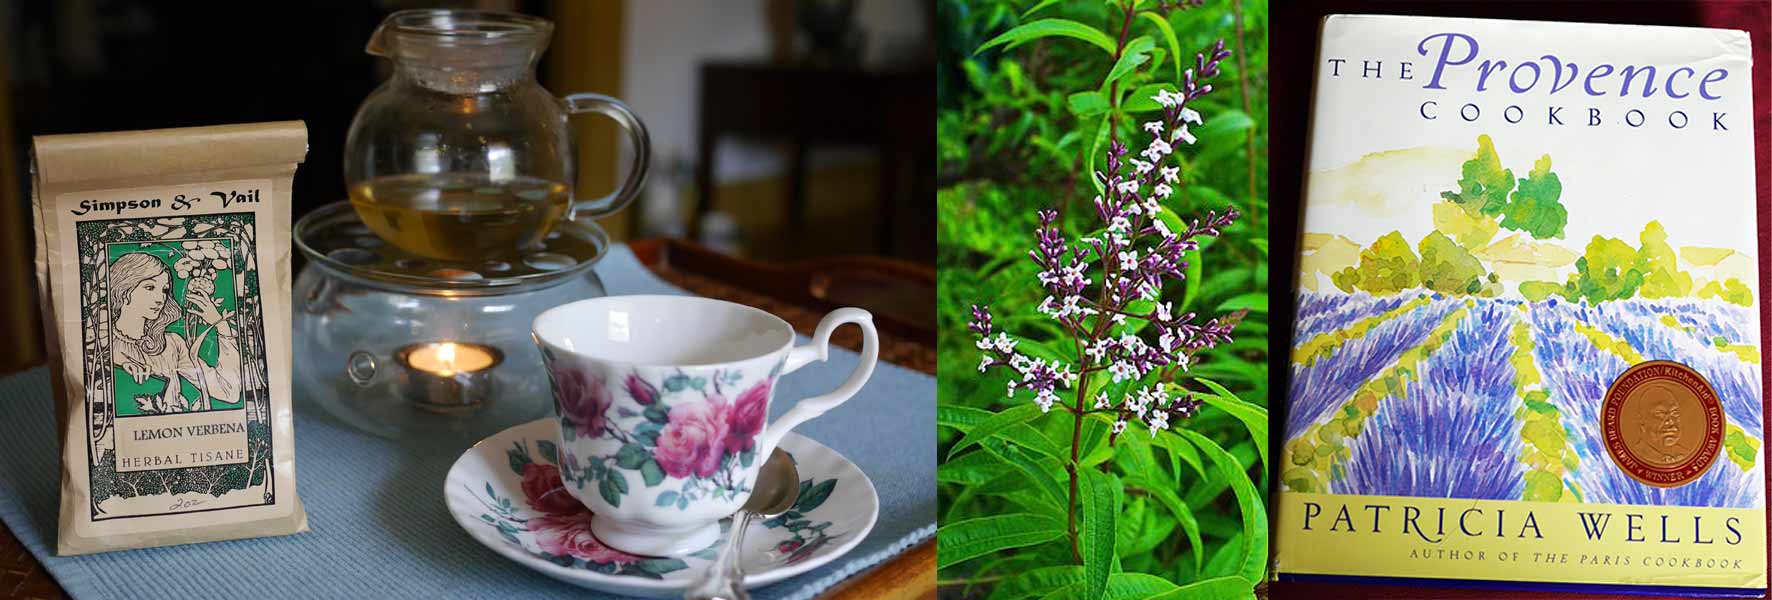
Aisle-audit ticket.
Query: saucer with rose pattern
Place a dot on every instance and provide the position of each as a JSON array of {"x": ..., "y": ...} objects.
[{"x": 506, "y": 493}]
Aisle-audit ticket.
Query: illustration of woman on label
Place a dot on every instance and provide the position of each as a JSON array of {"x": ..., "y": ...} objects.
[{"x": 161, "y": 371}]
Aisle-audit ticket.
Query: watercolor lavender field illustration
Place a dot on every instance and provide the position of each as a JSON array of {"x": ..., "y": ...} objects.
[{"x": 1493, "y": 398}]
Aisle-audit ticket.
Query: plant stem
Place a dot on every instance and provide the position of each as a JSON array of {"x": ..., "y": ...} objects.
[
  {"x": 1243, "y": 86},
  {"x": 1078, "y": 410}
]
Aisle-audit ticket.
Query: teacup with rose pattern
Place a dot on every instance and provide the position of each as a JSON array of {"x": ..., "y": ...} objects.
[{"x": 663, "y": 402}]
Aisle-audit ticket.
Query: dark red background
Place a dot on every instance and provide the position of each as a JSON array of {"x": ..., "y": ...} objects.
[{"x": 1291, "y": 60}]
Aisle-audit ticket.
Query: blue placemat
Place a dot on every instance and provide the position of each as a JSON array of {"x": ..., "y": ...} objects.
[{"x": 376, "y": 506}]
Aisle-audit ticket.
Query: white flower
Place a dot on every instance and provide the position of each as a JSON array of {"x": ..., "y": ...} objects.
[
  {"x": 1005, "y": 343},
  {"x": 1119, "y": 426},
  {"x": 1129, "y": 186},
  {"x": 1151, "y": 207},
  {"x": 985, "y": 364},
  {"x": 1119, "y": 225},
  {"x": 984, "y": 343},
  {"x": 1119, "y": 319},
  {"x": 1142, "y": 167},
  {"x": 1181, "y": 133},
  {"x": 1166, "y": 341},
  {"x": 1163, "y": 313},
  {"x": 1097, "y": 351},
  {"x": 1154, "y": 127},
  {"x": 1046, "y": 307},
  {"x": 1070, "y": 306},
  {"x": 1122, "y": 370},
  {"x": 1012, "y": 384},
  {"x": 1162, "y": 228},
  {"x": 1159, "y": 148},
  {"x": 1129, "y": 260},
  {"x": 1045, "y": 399},
  {"x": 1159, "y": 421},
  {"x": 1189, "y": 115},
  {"x": 1101, "y": 400},
  {"x": 1170, "y": 175},
  {"x": 1161, "y": 191},
  {"x": 1167, "y": 98}
]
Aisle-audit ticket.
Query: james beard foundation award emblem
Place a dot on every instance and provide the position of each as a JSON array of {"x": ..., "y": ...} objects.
[{"x": 1663, "y": 424}]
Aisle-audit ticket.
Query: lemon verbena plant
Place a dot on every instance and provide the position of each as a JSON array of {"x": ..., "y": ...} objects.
[{"x": 1097, "y": 377}]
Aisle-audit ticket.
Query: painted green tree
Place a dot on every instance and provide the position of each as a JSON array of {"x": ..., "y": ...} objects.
[{"x": 1489, "y": 192}]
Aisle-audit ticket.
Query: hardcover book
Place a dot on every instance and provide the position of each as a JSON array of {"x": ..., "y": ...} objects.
[{"x": 1527, "y": 347}]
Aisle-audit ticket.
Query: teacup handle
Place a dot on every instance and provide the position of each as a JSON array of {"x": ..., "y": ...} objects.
[
  {"x": 630, "y": 187},
  {"x": 819, "y": 349}
]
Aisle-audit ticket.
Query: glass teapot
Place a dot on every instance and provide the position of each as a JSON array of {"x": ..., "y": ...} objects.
[{"x": 461, "y": 155}]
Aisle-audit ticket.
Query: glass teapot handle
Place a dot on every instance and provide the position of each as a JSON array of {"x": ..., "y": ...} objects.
[{"x": 630, "y": 186}]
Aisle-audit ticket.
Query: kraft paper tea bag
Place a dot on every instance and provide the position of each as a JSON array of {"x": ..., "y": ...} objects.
[{"x": 163, "y": 265}]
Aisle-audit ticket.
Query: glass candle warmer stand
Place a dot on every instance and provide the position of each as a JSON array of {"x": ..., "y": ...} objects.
[{"x": 399, "y": 345}]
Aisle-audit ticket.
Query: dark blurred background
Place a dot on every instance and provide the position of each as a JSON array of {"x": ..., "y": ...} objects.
[{"x": 849, "y": 171}]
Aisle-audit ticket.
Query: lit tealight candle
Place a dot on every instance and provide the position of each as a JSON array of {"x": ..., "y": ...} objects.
[
  {"x": 448, "y": 358},
  {"x": 448, "y": 377}
]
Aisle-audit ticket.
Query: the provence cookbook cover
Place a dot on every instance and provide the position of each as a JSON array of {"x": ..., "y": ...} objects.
[{"x": 1527, "y": 348}]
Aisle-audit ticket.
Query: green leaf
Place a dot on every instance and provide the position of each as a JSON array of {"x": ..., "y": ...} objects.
[
  {"x": 1253, "y": 417},
  {"x": 1136, "y": 53},
  {"x": 1048, "y": 28},
  {"x": 666, "y": 498},
  {"x": 1031, "y": 470},
  {"x": 632, "y": 456},
  {"x": 652, "y": 473},
  {"x": 676, "y": 383},
  {"x": 1041, "y": 580},
  {"x": 1254, "y": 301},
  {"x": 1087, "y": 104},
  {"x": 548, "y": 450},
  {"x": 961, "y": 541},
  {"x": 1101, "y": 136},
  {"x": 1144, "y": 99},
  {"x": 1253, "y": 567},
  {"x": 1036, "y": 8},
  {"x": 963, "y": 418},
  {"x": 1217, "y": 588},
  {"x": 1034, "y": 349},
  {"x": 1101, "y": 503},
  {"x": 1165, "y": 495},
  {"x": 1168, "y": 36},
  {"x": 1120, "y": 586},
  {"x": 1195, "y": 266},
  {"x": 815, "y": 496},
  {"x": 1017, "y": 415},
  {"x": 658, "y": 413},
  {"x": 610, "y": 490}
]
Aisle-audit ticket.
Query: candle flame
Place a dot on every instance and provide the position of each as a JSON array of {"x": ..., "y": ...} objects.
[{"x": 446, "y": 355}]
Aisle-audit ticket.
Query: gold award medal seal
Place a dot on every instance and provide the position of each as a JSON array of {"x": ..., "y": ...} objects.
[{"x": 1663, "y": 423}]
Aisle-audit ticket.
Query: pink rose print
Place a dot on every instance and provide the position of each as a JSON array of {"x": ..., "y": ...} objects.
[
  {"x": 748, "y": 414},
  {"x": 806, "y": 551},
  {"x": 788, "y": 546},
  {"x": 693, "y": 441},
  {"x": 541, "y": 484},
  {"x": 583, "y": 399},
  {"x": 640, "y": 390},
  {"x": 570, "y": 535}
]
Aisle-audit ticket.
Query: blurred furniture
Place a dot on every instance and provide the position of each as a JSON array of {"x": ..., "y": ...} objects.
[
  {"x": 888, "y": 110},
  {"x": 901, "y": 296}
]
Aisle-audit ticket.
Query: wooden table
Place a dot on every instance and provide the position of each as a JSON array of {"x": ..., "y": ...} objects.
[{"x": 800, "y": 294}]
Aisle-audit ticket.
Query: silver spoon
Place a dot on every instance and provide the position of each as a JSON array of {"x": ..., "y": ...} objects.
[{"x": 778, "y": 487}]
